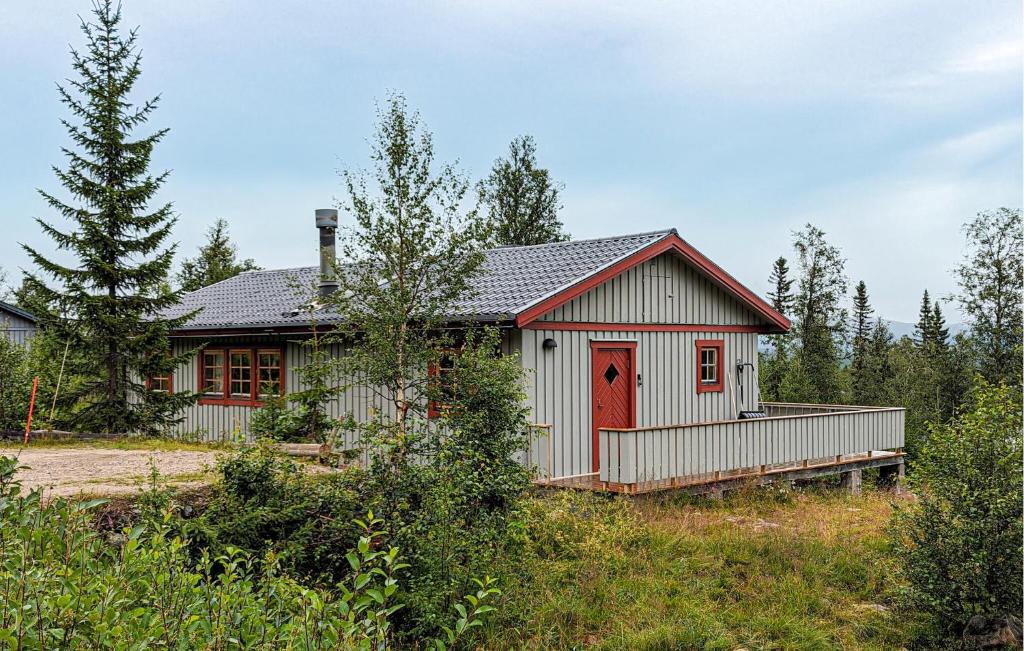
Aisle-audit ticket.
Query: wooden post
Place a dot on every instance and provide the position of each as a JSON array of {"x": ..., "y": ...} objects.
[
  {"x": 850, "y": 481},
  {"x": 891, "y": 477},
  {"x": 31, "y": 406},
  {"x": 60, "y": 376}
]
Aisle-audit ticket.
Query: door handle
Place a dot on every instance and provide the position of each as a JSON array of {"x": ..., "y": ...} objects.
[{"x": 600, "y": 405}]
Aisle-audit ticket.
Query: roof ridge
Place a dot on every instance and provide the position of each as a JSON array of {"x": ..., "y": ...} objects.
[
  {"x": 508, "y": 247},
  {"x": 264, "y": 271}
]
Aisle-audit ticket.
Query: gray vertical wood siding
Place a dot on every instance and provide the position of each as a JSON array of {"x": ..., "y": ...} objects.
[
  {"x": 664, "y": 453},
  {"x": 558, "y": 386},
  {"x": 664, "y": 290},
  {"x": 215, "y": 422},
  {"x": 15, "y": 328}
]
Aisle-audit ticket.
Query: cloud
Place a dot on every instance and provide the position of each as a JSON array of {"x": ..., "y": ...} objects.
[
  {"x": 978, "y": 146},
  {"x": 1004, "y": 56}
]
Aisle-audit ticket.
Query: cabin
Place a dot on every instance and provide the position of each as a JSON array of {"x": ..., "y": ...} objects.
[
  {"x": 641, "y": 358},
  {"x": 16, "y": 325}
]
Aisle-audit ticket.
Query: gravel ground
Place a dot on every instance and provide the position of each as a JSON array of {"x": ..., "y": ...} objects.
[{"x": 98, "y": 471}]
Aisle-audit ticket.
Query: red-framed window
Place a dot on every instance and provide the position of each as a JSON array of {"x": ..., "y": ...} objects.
[
  {"x": 439, "y": 374},
  {"x": 237, "y": 375},
  {"x": 160, "y": 384},
  {"x": 710, "y": 365}
]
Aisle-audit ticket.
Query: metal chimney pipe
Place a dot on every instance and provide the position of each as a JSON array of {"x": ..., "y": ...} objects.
[{"x": 327, "y": 223}]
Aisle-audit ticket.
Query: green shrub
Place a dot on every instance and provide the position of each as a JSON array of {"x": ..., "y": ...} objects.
[
  {"x": 960, "y": 544},
  {"x": 456, "y": 511},
  {"x": 265, "y": 502},
  {"x": 65, "y": 585},
  {"x": 280, "y": 421},
  {"x": 19, "y": 364},
  {"x": 15, "y": 385}
]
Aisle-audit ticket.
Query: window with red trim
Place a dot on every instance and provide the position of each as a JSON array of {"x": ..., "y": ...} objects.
[
  {"x": 268, "y": 367},
  {"x": 159, "y": 384},
  {"x": 710, "y": 365},
  {"x": 439, "y": 373},
  {"x": 240, "y": 376}
]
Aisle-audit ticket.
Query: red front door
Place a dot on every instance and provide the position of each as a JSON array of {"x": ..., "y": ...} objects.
[{"x": 613, "y": 389}]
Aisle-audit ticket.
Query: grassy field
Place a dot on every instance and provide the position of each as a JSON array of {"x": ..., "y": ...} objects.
[{"x": 760, "y": 570}]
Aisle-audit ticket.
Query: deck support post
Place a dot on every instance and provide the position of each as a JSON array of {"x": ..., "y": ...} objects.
[
  {"x": 850, "y": 481},
  {"x": 892, "y": 477}
]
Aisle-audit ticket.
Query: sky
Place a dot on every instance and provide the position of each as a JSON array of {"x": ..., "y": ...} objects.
[{"x": 887, "y": 124}]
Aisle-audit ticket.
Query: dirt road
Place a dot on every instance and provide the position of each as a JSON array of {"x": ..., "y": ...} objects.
[{"x": 102, "y": 471}]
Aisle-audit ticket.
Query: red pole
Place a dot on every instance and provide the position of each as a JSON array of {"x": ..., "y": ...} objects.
[{"x": 31, "y": 406}]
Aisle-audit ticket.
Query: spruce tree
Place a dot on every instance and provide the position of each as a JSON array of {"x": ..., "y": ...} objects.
[
  {"x": 923, "y": 331},
  {"x": 820, "y": 321},
  {"x": 775, "y": 364},
  {"x": 861, "y": 351},
  {"x": 217, "y": 260},
  {"x": 522, "y": 199},
  {"x": 108, "y": 302},
  {"x": 876, "y": 388},
  {"x": 781, "y": 293},
  {"x": 939, "y": 332}
]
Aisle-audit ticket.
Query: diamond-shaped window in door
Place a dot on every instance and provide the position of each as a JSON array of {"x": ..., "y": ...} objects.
[{"x": 611, "y": 373}]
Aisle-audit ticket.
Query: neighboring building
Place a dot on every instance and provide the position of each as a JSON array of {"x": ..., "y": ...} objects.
[
  {"x": 16, "y": 324},
  {"x": 619, "y": 337}
]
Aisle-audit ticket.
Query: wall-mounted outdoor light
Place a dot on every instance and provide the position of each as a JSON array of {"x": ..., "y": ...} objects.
[{"x": 550, "y": 343}]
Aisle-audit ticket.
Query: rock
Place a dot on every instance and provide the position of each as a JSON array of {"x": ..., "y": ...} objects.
[
  {"x": 993, "y": 632},
  {"x": 878, "y": 608}
]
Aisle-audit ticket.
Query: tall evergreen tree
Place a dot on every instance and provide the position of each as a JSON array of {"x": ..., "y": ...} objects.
[
  {"x": 991, "y": 279},
  {"x": 861, "y": 349},
  {"x": 781, "y": 293},
  {"x": 217, "y": 260},
  {"x": 939, "y": 331},
  {"x": 775, "y": 364},
  {"x": 876, "y": 389},
  {"x": 522, "y": 199},
  {"x": 820, "y": 321},
  {"x": 109, "y": 304},
  {"x": 923, "y": 330}
]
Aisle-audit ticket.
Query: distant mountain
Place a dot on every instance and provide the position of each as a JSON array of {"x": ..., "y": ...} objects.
[{"x": 899, "y": 328}]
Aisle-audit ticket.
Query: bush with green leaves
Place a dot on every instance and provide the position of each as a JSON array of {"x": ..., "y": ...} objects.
[
  {"x": 15, "y": 385},
  {"x": 265, "y": 502},
  {"x": 66, "y": 585},
  {"x": 455, "y": 509},
  {"x": 960, "y": 542}
]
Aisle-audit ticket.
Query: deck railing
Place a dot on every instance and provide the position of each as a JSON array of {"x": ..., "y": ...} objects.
[{"x": 791, "y": 434}]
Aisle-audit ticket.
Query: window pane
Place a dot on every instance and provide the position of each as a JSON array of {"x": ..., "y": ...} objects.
[
  {"x": 160, "y": 384},
  {"x": 241, "y": 373},
  {"x": 269, "y": 363},
  {"x": 213, "y": 372},
  {"x": 709, "y": 365}
]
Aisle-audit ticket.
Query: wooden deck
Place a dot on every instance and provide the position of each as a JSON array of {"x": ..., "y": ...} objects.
[{"x": 722, "y": 480}]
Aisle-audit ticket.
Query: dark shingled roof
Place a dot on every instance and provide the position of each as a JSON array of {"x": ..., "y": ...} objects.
[{"x": 513, "y": 279}]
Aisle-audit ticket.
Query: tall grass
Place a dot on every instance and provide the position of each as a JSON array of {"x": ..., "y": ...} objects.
[{"x": 757, "y": 571}]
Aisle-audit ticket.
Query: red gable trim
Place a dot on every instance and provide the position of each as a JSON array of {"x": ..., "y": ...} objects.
[
  {"x": 642, "y": 327},
  {"x": 669, "y": 242}
]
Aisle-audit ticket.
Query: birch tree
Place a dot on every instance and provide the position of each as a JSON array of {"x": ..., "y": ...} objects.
[{"x": 407, "y": 258}]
